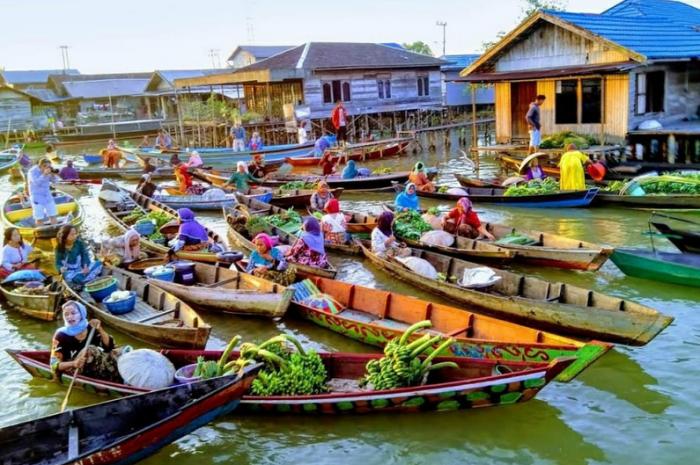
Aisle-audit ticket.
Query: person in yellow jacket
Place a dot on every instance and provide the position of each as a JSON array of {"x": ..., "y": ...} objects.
[{"x": 571, "y": 172}]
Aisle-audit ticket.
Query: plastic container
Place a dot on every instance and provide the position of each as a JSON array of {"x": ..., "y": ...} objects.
[
  {"x": 161, "y": 272},
  {"x": 229, "y": 256},
  {"x": 184, "y": 374},
  {"x": 596, "y": 171},
  {"x": 184, "y": 272},
  {"x": 123, "y": 306},
  {"x": 145, "y": 229},
  {"x": 101, "y": 288}
]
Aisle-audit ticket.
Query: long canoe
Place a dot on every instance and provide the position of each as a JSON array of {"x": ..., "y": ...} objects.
[
  {"x": 375, "y": 317},
  {"x": 618, "y": 172},
  {"x": 284, "y": 239},
  {"x": 9, "y": 158},
  {"x": 230, "y": 291},
  {"x": 562, "y": 199},
  {"x": 556, "y": 307},
  {"x": 44, "y": 306},
  {"x": 159, "y": 317},
  {"x": 98, "y": 173},
  {"x": 466, "y": 181},
  {"x": 197, "y": 202},
  {"x": 357, "y": 154},
  {"x": 686, "y": 240},
  {"x": 667, "y": 267},
  {"x": 371, "y": 182},
  {"x": 359, "y": 223},
  {"x": 475, "y": 383},
  {"x": 470, "y": 249},
  {"x": 670, "y": 201},
  {"x": 18, "y": 213},
  {"x": 132, "y": 200},
  {"x": 228, "y": 155},
  {"x": 126, "y": 430}
]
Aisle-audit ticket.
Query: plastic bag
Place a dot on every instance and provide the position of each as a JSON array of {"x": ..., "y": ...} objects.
[
  {"x": 435, "y": 221},
  {"x": 479, "y": 277},
  {"x": 440, "y": 238},
  {"x": 419, "y": 266},
  {"x": 146, "y": 369},
  {"x": 457, "y": 191}
]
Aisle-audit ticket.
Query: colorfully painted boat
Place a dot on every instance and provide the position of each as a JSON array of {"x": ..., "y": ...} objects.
[
  {"x": 375, "y": 317},
  {"x": 284, "y": 239},
  {"x": 128, "y": 201},
  {"x": 371, "y": 182},
  {"x": 685, "y": 239},
  {"x": 126, "y": 173},
  {"x": 667, "y": 267},
  {"x": 227, "y": 155},
  {"x": 9, "y": 158},
  {"x": 561, "y": 199},
  {"x": 91, "y": 159},
  {"x": 374, "y": 152},
  {"x": 17, "y": 212},
  {"x": 556, "y": 307},
  {"x": 158, "y": 318},
  {"x": 123, "y": 431},
  {"x": 469, "y": 249},
  {"x": 475, "y": 383},
  {"x": 229, "y": 291},
  {"x": 45, "y": 306}
]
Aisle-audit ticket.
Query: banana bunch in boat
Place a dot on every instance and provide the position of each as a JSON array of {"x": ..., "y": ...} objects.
[{"x": 401, "y": 365}]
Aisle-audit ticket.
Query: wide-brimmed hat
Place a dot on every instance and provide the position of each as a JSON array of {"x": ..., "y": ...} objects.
[{"x": 526, "y": 163}]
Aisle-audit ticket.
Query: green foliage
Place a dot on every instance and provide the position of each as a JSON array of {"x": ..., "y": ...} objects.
[
  {"x": 250, "y": 116},
  {"x": 533, "y": 187},
  {"x": 615, "y": 186},
  {"x": 295, "y": 185},
  {"x": 529, "y": 8},
  {"x": 214, "y": 108},
  {"x": 410, "y": 225},
  {"x": 564, "y": 138},
  {"x": 256, "y": 225},
  {"x": 418, "y": 47}
]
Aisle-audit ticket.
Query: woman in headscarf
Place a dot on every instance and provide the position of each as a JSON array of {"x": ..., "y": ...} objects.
[
  {"x": 419, "y": 177},
  {"x": 384, "y": 243},
  {"x": 192, "y": 236},
  {"x": 464, "y": 221},
  {"x": 320, "y": 198},
  {"x": 535, "y": 172},
  {"x": 146, "y": 186},
  {"x": 15, "y": 253},
  {"x": 184, "y": 179},
  {"x": 68, "y": 173},
  {"x": 255, "y": 142},
  {"x": 72, "y": 259},
  {"x": 350, "y": 172},
  {"x": 148, "y": 167},
  {"x": 309, "y": 249},
  {"x": 100, "y": 358},
  {"x": 334, "y": 224},
  {"x": 327, "y": 164},
  {"x": 407, "y": 200},
  {"x": 241, "y": 177},
  {"x": 122, "y": 249},
  {"x": 195, "y": 160},
  {"x": 269, "y": 262}
]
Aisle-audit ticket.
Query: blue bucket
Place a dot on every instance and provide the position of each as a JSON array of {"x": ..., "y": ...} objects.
[
  {"x": 101, "y": 288},
  {"x": 123, "y": 306},
  {"x": 160, "y": 272}
]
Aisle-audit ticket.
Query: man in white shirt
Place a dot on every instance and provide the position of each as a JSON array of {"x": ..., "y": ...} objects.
[{"x": 302, "y": 136}]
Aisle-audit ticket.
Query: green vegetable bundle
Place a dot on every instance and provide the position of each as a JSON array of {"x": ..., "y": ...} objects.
[
  {"x": 410, "y": 225},
  {"x": 256, "y": 225},
  {"x": 295, "y": 185},
  {"x": 443, "y": 189},
  {"x": 548, "y": 186},
  {"x": 615, "y": 186},
  {"x": 133, "y": 217},
  {"x": 382, "y": 171}
]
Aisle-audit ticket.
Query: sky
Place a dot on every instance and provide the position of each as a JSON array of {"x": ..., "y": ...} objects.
[{"x": 144, "y": 35}]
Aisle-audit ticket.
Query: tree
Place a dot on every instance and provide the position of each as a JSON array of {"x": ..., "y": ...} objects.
[
  {"x": 529, "y": 8},
  {"x": 418, "y": 47}
]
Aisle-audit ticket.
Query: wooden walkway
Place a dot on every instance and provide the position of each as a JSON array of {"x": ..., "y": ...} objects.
[
  {"x": 445, "y": 127},
  {"x": 512, "y": 149}
]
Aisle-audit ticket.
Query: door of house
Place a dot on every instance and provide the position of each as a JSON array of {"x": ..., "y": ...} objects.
[{"x": 522, "y": 95}]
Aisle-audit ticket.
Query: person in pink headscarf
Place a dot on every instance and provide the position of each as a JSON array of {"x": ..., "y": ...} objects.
[
  {"x": 122, "y": 249},
  {"x": 464, "y": 221},
  {"x": 269, "y": 262}
]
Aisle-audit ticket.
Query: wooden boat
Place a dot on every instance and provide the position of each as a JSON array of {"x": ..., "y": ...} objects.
[
  {"x": 229, "y": 291},
  {"x": 126, "y": 173},
  {"x": 284, "y": 239},
  {"x": 359, "y": 223},
  {"x": 670, "y": 201},
  {"x": 470, "y": 249},
  {"x": 667, "y": 267},
  {"x": 159, "y": 317},
  {"x": 561, "y": 199},
  {"x": 375, "y": 317},
  {"x": 42, "y": 306},
  {"x": 686, "y": 240},
  {"x": 466, "y": 181},
  {"x": 91, "y": 159},
  {"x": 376, "y": 152},
  {"x": 196, "y": 202},
  {"x": 126, "y": 430},
  {"x": 227, "y": 155},
  {"x": 556, "y": 307},
  {"x": 476, "y": 383},
  {"x": 618, "y": 172},
  {"x": 371, "y": 182},
  {"x": 131, "y": 200},
  {"x": 76, "y": 187},
  {"x": 18, "y": 213},
  {"x": 9, "y": 158}
]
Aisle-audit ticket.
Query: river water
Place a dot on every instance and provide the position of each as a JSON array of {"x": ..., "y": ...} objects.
[{"x": 634, "y": 406}]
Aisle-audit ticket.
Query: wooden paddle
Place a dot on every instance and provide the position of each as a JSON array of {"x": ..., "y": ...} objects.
[{"x": 77, "y": 371}]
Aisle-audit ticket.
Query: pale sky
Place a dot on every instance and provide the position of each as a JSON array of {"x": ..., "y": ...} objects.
[{"x": 143, "y": 35}]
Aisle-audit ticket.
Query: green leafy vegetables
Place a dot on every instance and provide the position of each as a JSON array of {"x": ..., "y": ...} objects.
[
  {"x": 533, "y": 187},
  {"x": 410, "y": 225}
]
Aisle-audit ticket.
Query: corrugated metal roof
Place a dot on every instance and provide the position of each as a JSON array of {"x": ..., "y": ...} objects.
[
  {"x": 46, "y": 95},
  {"x": 105, "y": 88},
  {"x": 393, "y": 45},
  {"x": 459, "y": 61},
  {"x": 559, "y": 72},
  {"x": 34, "y": 76},
  {"x": 654, "y": 28},
  {"x": 171, "y": 75},
  {"x": 261, "y": 52}
]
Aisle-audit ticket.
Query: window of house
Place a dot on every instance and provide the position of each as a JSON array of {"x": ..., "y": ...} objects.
[
  {"x": 650, "y": 92},
  {"x": 387, "y": 89},
  {"x": 327, "y": 95},
  {"x": 566, "y": 102},
  {"x": 346, "y": 91},
  {"x": 423, "y": 86},
  {"x": 384, "y": 89},
  {"x": 336, "y": 90},
  {"x": 591, "y": 105}
]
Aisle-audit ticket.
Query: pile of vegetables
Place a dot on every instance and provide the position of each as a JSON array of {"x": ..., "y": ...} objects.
[
  {"x": 672, "y": 183},
  {"x": 291, "y": 222},
  {"x": 563, "y": 139},
  {"x": 254, "y": 226},
  {"x": 382, "y": 171},
  {"x": 615, "y": 186},
  {"x": 34, "y": 290},
  {"x": 159, "y": 218},
  {"x": 444, "y": 278},
  {"x": 433, "y": 211},
  {"x": 533, "y": 187},
  {"x": 443, "y": 189},
  {"x": 401, "y": 367},
  {"x": 410, "y": 225},
  {"x": 294, "y": 185}
]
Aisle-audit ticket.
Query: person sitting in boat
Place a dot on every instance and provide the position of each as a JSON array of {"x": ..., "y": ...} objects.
[
  {"x": 384, "y": 243},
  {"x": 15, "y": 253},
  {"x": 72, "y": 258},
  {"x": 68, "y": 172},
  {"x": 111, "y": 145},
  {"x": 145, "y": 143},
  {"x": 257, "y": 167},
  {"x": 535, "y": 172},
  {"x": 327, "y": 164},
  {"x": 192, "y": 236},
  {"x": 174, "y": 160},
  {"x": 419, "y": 177},
  {"x": 39, "y": 185},
  {"x": 51, "y": 152},
  {"x": 334, "y": 224},
  {"x": 122, "y": 249},
  {"x": 148, "y": 167},
  {"x": 99, "y": 360},
  {"x": 572, "y": 177},
  {"x": 241, "y": 177},
  {"x": 320, "y": 147},
  {"x": 255, "y": 142},
  {"x": 195, "y": 160},
  {"x": 186, "y": 185},
  {"x": 350, "y": 172},
  {"x": 269, "y": 262},
  {"x": 320, "y": 198},
  {"x": 146, "y": 186},
  {"x": 407, "y": 200},
  {"x": 163, "y": 141},
  {"x": 111, "y": 156},
  {"x": 463, "y": 221},
  {"x": 309, "y": 249}
]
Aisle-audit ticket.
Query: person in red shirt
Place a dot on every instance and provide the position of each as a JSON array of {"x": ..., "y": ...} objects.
[
  {"x": 464, "y": 221},
  {"x": 327, "y": 163},
  {"x": 339, "y": 118}
]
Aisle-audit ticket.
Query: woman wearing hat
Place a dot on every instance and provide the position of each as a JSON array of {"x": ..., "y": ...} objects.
[{"x": 464, "y": 221}]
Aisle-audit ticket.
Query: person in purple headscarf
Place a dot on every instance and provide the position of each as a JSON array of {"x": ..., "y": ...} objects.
[
  {"x": 68, "y": 173},
  {"x": 192, "y": 236},
  {"x": 309, "y": 249},
  {"x": 384, "y": 243},
  {"x": 464, "y": 221}
]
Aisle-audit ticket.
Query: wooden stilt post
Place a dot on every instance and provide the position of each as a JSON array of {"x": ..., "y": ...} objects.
[{"x": 475, "y": 134}]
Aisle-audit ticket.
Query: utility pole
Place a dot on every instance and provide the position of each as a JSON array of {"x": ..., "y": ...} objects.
[
  {"x": 64, "y": 57},
  {"x": 444, "y": 29},
  {"x": 214, "y": 54}
]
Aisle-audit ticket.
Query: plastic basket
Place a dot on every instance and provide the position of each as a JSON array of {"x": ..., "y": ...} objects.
[
  {"x": 145, "y": 229},
  {"x": 123, "y": 306},
  {"x": 101, "y": 288},
  {"x": 184, "y": 374}
]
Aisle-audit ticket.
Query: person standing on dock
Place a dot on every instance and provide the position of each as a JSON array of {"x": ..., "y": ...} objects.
[
  {"x": 533, "y": 121},
  {"x": 302, "y": 136},
  {"x": 238, "y": 136},
  {"x": 339, "y": 117}
]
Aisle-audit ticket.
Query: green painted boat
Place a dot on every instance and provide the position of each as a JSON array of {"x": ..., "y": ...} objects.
[{"x": 667, "y": 267}]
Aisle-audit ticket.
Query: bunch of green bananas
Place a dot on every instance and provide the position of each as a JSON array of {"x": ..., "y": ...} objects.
[{"x": 401, "y": 367}]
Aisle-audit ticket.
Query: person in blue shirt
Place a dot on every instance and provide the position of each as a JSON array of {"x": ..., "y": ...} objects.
[
  {"x": 238, "y": 136},
  {"x": 163, "y": 141},
  {"x": 407, "y": 200}
]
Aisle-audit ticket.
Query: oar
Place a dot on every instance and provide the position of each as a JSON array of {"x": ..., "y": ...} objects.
[{"x": 77, "y": 371}]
